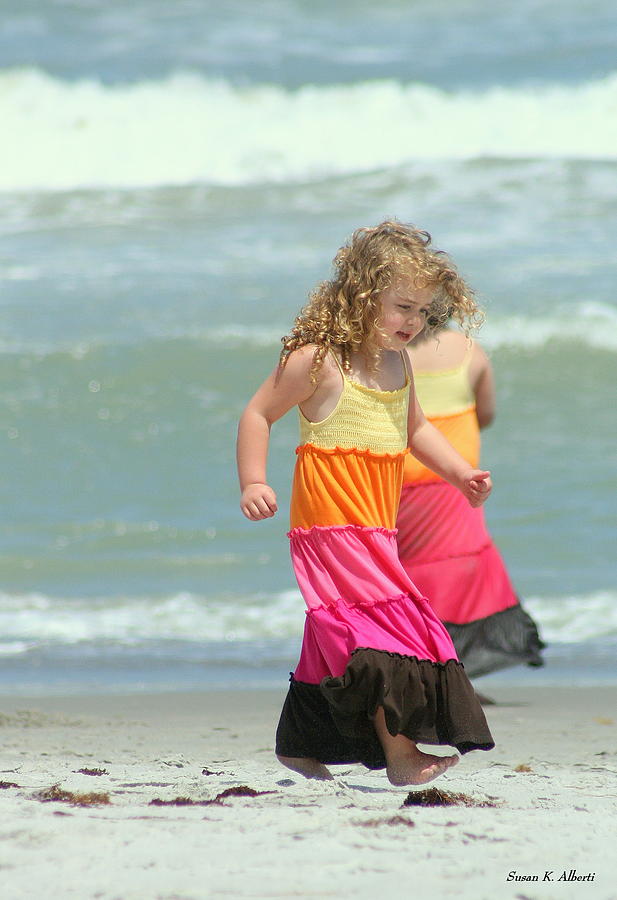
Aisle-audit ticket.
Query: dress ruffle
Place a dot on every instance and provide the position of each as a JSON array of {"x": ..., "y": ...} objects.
[
  {"x": 430, "y": 703},
  {"x": 350, "y": 451},
  {"x": 401, "y": 625},
  {"x": 354, "y": 562},
  {"x": 445, "y": 546},
  {"x": 506, "y": 638},
  {"x": 372, "y": 529},
  {"x": 359, "y": 595}
]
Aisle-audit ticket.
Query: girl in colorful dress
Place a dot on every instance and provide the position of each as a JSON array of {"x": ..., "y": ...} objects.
[
  {"x": 378, "y": 672},
  {"x": 443, "y": 542}
]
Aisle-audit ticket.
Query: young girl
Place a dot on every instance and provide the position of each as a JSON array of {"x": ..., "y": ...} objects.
[
  {"x": 378, "y": 672},
  {"x": 443, "y": 542}
]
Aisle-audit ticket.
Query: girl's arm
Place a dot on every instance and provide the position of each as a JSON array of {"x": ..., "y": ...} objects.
[
  {"x": 435, "y": 451},
  {"x": 483, "y": 384},
  {"x": 274, "y": 398}
]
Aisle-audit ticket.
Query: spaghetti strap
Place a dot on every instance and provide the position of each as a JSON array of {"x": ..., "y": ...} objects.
[
  {"x": 406, "y": 366},
  {"x": 336, "y": 360},
  {"x": 468, "y": 354}
]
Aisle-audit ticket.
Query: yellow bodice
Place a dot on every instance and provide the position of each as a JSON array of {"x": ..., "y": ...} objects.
[
  {"x": 445, "y": 393},
  {"x": 363, "y": 419}
]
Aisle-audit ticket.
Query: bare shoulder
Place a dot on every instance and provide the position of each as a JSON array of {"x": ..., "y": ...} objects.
[
  {"x": 300, "y": 363},
  {"x": 443, "y": 350},
  {"x": 479, "y": 365},
  {"x": 453, "y": 339},
  {"x": 479, "y": 358},
  {"x": 302, "y": 357}
]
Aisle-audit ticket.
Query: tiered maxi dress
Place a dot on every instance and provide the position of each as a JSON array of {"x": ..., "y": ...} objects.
[
  {"x": 446, "y": 549},
  {"x": 370, "y": 639}
]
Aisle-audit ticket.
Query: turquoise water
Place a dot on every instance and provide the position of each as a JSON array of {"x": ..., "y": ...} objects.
[{"x": 165, "y": 213}]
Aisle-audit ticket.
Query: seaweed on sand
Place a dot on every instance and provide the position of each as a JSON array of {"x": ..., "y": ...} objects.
[
  {"x": 240, "y": 791},
  {"x": 436, "y": 797},
  {"x": 393, "y": 820},
  {"x": 58, "y": 795}
]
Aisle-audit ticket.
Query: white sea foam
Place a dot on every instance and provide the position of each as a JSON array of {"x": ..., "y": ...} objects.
[
  {"x": 33, "y": 620},
  {"x": 63, "y": 135},
  {"x": 589, "y": 323},
  {"x": 182, "y": 617},
  {"x": 575, "y": 619}
]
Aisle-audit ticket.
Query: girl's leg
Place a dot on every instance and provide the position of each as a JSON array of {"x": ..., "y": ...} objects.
[
  {"x": 405, "y": 763},
  {"x": 305, "y": 765}
]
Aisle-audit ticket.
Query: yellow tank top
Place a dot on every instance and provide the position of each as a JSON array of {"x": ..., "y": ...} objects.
[
  {"x": 363, "y": 419},
  {"x": 448, "y": 401},
  {"x": 445, "y": 392}
]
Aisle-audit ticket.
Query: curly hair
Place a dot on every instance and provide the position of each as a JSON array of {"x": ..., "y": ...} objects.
[{"x": 343, "y": 313}]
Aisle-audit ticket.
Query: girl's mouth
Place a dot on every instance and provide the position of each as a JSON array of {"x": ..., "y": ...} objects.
[{"x": 403, "y": 335}]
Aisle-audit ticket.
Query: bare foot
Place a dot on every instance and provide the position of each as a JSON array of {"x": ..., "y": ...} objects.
[
  {"x": 307, "y": 766},
  {"x": 405, "y": 763},
  {"x": 415, "y": 767}
]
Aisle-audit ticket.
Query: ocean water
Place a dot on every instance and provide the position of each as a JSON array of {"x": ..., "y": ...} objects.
[{"x": 173, "y": 181}]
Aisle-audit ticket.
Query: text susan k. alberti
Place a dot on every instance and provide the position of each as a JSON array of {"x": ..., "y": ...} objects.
[{"x": 551, "y": 875}]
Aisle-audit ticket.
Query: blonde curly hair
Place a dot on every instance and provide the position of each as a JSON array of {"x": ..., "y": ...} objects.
[{"x": 343, "y": 313}]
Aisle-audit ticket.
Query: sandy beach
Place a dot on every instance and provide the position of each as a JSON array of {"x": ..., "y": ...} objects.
[{"x": 544, "y": 801}]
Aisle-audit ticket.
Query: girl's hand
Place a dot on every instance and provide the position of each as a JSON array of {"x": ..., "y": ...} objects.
[
  {"x": 258, "y": 501},
  {"x": 476, "y": 485}
]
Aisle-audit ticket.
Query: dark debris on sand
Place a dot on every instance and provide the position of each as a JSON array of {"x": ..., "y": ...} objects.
[
  {"x": 393, "y": 820},
  {"x": 56, "y": 794},
  {"x": 240, "y": 791},
  {"x": 179, "y": 801},
  {"x": 92, "y": 772},
  {"x": 435, "y": 797},
  {"x": 4, "y": 785}
]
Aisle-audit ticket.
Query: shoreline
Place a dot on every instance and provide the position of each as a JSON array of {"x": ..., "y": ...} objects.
[
  {"x": 567, "y": 665},
  {"x": 551, "y": 779}
]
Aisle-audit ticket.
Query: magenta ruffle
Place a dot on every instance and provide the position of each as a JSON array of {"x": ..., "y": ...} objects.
[
  {"x": 358, "y": 595},
  {"x": 295, "y": 532}
]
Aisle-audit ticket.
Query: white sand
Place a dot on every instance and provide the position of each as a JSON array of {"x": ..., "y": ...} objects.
[{"x": 304, "y": 839}]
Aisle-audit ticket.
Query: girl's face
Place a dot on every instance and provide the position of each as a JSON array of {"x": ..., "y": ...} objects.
[{"x": 404, "y": 309}]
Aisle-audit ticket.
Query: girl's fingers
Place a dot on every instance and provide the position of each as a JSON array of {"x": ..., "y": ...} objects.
[
  {"x": 259, "y": 506},
  {"x": 261, "y": 510},
  {"x": 252, "y": 512}
]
